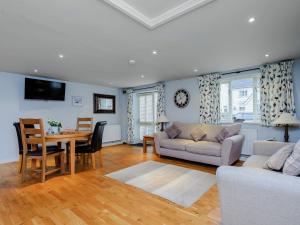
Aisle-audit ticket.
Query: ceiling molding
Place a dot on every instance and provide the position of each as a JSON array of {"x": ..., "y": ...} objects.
[{"x": 167, "y": 16}]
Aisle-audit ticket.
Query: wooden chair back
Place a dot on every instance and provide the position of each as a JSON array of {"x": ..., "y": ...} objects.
[
  {"x": 32, "y": 131},
  {"x": 84, "y": 124}
]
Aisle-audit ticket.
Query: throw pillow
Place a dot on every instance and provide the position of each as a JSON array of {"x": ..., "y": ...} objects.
[
  {"x": 197, "y": 134},
  {"x": 172, "y": 131},
  {"x": 222, "y": 135},
  {"x": 292, "y": 164},
  {"x": 277, "y": 160}
]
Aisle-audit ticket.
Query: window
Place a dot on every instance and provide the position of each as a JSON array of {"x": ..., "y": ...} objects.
[
  {"x": 240, "y": 97},
  {"x": 243, "y": 93},
  {"x": 147, "y": 113}
]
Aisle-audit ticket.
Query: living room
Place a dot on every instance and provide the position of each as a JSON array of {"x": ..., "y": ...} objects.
[{"x": 150, "y": 112}]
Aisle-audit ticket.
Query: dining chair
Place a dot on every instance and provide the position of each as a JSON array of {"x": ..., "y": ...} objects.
[
  {"x": 31, "y": 138},
  {"x": 84, "y": 124},
  {"x": 20, "y": 145},
  {"x": 95, "y": 145}
]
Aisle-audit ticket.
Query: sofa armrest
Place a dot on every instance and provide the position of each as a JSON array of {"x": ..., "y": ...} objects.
[
  {"x": 267, "y": 148},
  {"x": 231, "y": 149},
  {"x": 258, "y": 197},
  {"x": 157, "y": 138}
]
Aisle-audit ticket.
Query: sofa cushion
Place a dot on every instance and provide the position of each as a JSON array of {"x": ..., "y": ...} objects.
[
  {"x": 211, "y": 132},
  {"x": 186, "y": 129},
  {"x": 256, "y": 161},
  {"x": 233, "y": 129},
  {"x": 204, "y": 148},
  {"x": 173, "y": 131},
  {"x": 277, "y": 160},
  {"x": 222, "y": 135},
  {"x": 197, "y": 134},
  {"x": 175, "y": 144},
  {"x": 292, "y": 164}
]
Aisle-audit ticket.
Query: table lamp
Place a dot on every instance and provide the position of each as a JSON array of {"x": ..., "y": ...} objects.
[
  {"x": 162, "y": 120},
  {"x": 286, "y": 120}
]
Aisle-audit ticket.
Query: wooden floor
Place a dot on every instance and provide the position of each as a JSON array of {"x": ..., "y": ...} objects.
[{"x": 90, "y": 198}]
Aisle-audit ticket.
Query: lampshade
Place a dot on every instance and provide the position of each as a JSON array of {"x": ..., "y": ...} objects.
[
  {"x": 286, "y": 119},
  {"x": 162, "y": 119}
]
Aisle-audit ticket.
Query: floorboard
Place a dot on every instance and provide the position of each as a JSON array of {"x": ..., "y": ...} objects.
[{"x": 90, "y": 198}]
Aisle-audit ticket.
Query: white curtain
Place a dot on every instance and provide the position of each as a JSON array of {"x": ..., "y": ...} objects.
[
  {"x": 276, "y": 91},
  {"x": 161, "y": 101},
  {"x": 209, "y": 88},
  {"x": 130, "y": 117}
]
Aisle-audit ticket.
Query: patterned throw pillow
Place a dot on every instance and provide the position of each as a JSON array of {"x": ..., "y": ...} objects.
[
  {"x": 172, "y": 131},
  {"x": 276, "y": 161},
  {"x": 292, "y": 164},
  {"x": 222, "y": 135},
  {"x": 197, "y": 134}
]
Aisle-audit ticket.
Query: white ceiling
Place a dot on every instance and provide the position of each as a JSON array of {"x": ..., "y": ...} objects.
[{"x": 97, "y": 40}]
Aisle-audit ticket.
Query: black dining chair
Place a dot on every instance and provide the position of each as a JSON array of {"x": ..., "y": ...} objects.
[
  {"x": 20, "y": 145},
  {"x": 96, "y": 144}
]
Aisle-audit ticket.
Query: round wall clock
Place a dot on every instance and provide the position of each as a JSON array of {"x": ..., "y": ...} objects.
[{"x": 181, "y": 98}]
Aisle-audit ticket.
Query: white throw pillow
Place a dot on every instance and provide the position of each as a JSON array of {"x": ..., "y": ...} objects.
[
  {"x": 277, "y": 160},
  {"x": 292, "y": 164}
]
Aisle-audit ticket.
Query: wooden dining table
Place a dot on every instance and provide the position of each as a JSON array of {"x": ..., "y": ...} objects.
[{"x": 69, "y": 137}]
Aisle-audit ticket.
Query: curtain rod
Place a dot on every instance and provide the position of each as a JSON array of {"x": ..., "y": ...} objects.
[
  {"x": 240, "y": 71},
  {"x": 144, "y": 88},
  {"x": 138, "y": 89},
  {"x": 255, "y": 68}
]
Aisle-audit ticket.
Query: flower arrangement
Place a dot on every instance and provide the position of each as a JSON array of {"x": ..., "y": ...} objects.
[{"x": 54, "y": 123}]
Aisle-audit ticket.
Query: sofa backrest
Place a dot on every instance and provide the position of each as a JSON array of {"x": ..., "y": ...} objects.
[
  {"x": 186, "y": 129},
  {"x": 210, "y": 130}
]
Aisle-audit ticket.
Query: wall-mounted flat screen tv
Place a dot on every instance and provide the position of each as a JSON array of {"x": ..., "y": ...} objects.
[{"x": 44, "y": 90}]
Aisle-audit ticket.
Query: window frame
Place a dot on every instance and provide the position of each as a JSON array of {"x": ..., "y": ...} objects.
[{"x": 227, "y": 79}]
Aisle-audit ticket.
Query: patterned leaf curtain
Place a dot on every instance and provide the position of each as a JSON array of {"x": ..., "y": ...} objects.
[
  {"x": 209, "y": 87},
  {"x": 276, "y": 91},
  {"x": 130, "y": 117},
  {"x": 161, "y": 101}
]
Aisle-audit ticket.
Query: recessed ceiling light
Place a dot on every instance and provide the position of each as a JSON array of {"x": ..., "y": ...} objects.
[
  {"x": 195, "y": 70},
  {"x": 142, "y": 76},
  {"x": 132, "y": 62},
  {"x": 154, "y": 52},
  {"x": 267, "y": 55},
  {"x": 251, "y": 20},
  {"x": 61, "y": 56},
  {"x": 36, "y": 71}
]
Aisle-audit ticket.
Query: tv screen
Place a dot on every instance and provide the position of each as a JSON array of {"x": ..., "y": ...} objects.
[{"x": 44, "y": 90}]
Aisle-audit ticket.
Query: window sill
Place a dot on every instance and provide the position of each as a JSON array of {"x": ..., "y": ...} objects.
[
  {"x": 252, "y": 122},
  {"x": 244, "y": 122}
]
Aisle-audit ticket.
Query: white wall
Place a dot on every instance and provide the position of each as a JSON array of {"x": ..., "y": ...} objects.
[{"x": 13, "y": 106}]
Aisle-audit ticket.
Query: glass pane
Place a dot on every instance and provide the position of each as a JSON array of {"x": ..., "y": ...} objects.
[
  {"x": 224, "y": 102},
  {"x": 242, "y": 100},
  {"x": 146, "y": 130},
  {"x": 106, "y": 104}
]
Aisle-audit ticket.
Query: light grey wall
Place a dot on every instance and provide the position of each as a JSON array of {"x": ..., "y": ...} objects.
[
  {"x": 14, "y": 106},
  {"x": 190, "y": 114}
]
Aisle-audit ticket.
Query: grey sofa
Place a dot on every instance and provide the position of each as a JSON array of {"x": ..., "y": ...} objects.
[
  {"x": 208, "y": 151},
  {"x": 251, "y": 195}
]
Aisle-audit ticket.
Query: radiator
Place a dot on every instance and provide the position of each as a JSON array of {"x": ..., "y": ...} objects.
[
  {"x": 250, "y": 138},
  {"x": 112, "y": 133}
]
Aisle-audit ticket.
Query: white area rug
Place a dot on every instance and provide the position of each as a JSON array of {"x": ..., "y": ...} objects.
[{"x": 178, "y": 184}]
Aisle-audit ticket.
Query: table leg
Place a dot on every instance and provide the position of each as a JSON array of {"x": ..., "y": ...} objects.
[
  {"x": 72, "y": 157},
  {"x": 144, "y": 145},
  {"x": 154, "y": 149}
]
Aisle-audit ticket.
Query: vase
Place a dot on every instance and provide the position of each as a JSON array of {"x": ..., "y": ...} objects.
[{"x": 55, "y": 130}]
